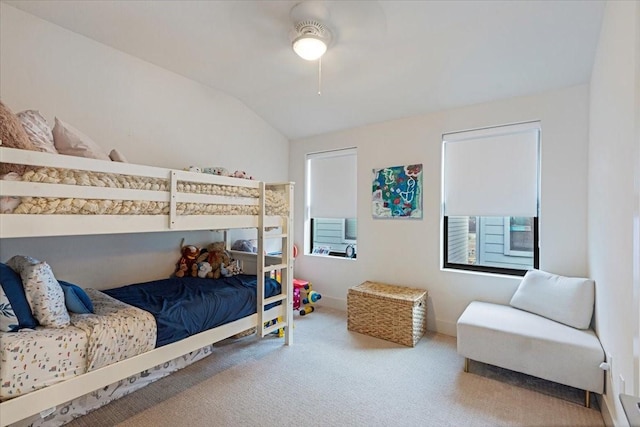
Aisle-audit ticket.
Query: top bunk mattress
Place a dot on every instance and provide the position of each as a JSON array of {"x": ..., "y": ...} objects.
[
  {"x": 189, "y": 305},
  {"x": 112, "y": 197}
]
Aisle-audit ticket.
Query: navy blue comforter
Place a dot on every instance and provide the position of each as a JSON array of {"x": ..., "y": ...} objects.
[{"x": 189, "y": 305}]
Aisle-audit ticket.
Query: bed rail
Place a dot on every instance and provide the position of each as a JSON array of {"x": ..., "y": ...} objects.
[
  {"x": 18, "y": 408},
  {"x": 166, "y": 199}
]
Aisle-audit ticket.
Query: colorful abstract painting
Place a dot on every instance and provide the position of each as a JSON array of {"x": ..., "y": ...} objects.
[{"x": 397, "y": 192}]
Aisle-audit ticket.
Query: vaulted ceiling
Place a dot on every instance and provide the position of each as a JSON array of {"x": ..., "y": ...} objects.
[{"x": 388, "y": 59}]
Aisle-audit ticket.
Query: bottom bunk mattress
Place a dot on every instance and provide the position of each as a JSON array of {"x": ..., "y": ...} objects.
[
  {"x": 82, "y": 405},
  {"x": 33, "y": 359},
  {"x": 189, "y": 305}
]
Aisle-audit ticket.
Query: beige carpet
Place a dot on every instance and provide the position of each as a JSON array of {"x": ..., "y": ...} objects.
[{"x": 333, "y": 377}]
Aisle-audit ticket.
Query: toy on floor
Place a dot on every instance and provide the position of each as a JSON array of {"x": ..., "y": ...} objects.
[
  {"x": 280, "y": 331},
  {"x": 304, "y": 297}
]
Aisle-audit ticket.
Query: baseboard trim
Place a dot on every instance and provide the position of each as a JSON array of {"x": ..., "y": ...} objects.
[
  {"x": 336, "y": 303},
  {"x": 441, "y": 326},
  {"x": 446, "y": 327}
]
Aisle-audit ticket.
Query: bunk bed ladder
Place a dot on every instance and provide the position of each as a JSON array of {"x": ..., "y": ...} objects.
[{"x": 267, "y": 326}]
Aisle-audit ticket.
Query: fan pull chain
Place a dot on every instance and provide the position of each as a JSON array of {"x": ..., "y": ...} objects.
[{"x": 320, "y": 76}]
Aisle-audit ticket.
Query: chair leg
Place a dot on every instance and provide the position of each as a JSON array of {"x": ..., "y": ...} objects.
[
  {"x": 587, "y": 398},
  {"x": 466, "y": 364}
]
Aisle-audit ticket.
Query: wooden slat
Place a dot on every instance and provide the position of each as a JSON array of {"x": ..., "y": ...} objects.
[
  {"x": 37, "y": 189},
  {"x": 273, "y": 299}
]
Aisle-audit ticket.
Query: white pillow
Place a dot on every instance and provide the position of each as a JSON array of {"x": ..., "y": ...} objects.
[
  {"x": 38, "y": 130},
  {"x": 567, "y": 300},
  {"x": 117, "y": 156},
  {"x": 70, "y": 141},
  {"x": 44, "y": 294}
]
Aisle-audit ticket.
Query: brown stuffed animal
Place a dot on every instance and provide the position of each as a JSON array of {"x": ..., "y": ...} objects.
[
  {"x": 187, "y": 262},
  {"x": 217, "y": 256}
]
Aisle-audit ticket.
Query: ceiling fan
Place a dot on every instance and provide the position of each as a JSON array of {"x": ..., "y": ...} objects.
[
  {"x": 314, "y": 28},
  {"x": 311, "y": 34}
]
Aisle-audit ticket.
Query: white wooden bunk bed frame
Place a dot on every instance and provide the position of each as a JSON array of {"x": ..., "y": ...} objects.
[{"x": 27, "y": 225}]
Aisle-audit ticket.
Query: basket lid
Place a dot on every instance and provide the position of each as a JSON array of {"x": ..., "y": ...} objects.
[{"x": 389, "y": 292}]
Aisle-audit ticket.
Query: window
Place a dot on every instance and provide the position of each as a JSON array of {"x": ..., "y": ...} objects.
[
  {"x": 331, "y": 224},
  {"x": 490, "y": 199}
]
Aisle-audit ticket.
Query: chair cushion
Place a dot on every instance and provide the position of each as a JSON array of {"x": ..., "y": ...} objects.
[{"x": 567, "y": 300}]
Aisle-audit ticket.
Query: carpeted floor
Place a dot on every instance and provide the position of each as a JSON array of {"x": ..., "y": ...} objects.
[{"x": 333, "y": 377}]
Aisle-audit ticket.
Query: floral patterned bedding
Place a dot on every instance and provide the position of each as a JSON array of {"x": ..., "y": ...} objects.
[{"x": 30, "y": 360}]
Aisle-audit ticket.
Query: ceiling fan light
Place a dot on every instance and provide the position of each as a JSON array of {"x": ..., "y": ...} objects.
[{"x": 309, "y": 47}]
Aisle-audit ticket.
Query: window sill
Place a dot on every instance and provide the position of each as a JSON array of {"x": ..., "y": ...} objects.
[
  {"x": 481, "y": 273},
  {"x": 331, "y": 257}
]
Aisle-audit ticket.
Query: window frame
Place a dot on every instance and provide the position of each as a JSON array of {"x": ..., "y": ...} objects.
[
  {"x": 310, "y": 220},
  {"x": 485, "y": 268},
  {"x": 535, "y": 253},
  {"x": 507, "y": 241}
]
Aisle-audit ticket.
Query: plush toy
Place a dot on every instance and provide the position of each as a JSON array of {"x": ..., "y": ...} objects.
[
  {"x": 205, "y": 270},
  {"x": 194, "y": 169},
  {"x": 244, "y": 246},
  {"x": 241, "y": 174},
  {"x": 234, "y": 268},
  {"x": 216, "y": 170},
  {"x": 186, "y": 263},
  {"x": 217, "y": 256},
  {"x": 224, "y": 272},
  {"x": 230, "y": 269}
]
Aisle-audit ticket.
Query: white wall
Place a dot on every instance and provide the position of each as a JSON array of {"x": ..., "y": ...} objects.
[
  {"x": 614, "y": 148},
  {"x": 407, "y": 252},
  {"x": 151, "y": 115}
]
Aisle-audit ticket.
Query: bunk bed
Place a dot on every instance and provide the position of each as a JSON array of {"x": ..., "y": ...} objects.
[{"x": 58, "y": 195}]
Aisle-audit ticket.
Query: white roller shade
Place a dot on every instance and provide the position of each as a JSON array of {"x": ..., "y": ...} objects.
[
  {"x": 332, "y": 184},
  {"x": 492, "y": 172}
]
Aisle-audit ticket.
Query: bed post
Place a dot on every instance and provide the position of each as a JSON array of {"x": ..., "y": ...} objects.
[
  {"x": 284, "y": 323},
  {"x": 260, "y": 261},
  {"x": 287, "y": 258}
]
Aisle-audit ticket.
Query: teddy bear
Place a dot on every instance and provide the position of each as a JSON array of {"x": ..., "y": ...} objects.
[
  {"x": 187, "y": 261},
  {"x": 217, "y": 256},
  {"x": 195, "y": 169}
]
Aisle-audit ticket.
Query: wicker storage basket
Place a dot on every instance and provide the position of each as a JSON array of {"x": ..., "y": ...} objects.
[{"x": 393, "y": 313}]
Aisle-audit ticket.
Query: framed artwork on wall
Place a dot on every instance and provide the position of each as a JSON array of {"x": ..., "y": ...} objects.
[{"x": 397, "y": 192}]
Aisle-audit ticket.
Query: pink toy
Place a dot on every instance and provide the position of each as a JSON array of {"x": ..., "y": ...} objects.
[
  {"x": 297, "y": 285},
  {"x": 304, "y": 304}
]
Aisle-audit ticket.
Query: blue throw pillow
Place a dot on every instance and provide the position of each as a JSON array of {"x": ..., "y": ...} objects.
[
  {"x": 75, "y": 298},
  {"x": 8, "y": 320},
  {"x": 12, "y": 286}
]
